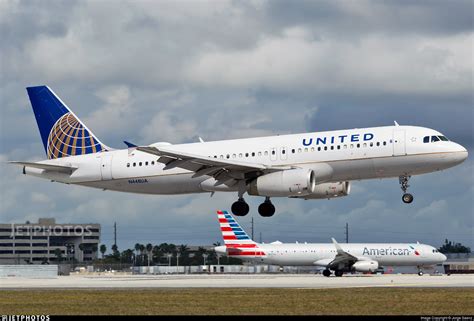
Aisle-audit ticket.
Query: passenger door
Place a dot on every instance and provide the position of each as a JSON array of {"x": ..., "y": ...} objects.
[
  {"x": 106, "y": 166},
  {"x": 399, "y": 146}
]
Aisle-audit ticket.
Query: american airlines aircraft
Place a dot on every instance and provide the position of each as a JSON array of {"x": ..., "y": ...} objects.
[
  {"x": 318, "y": 165},
  {"x": 337, "y": 257}
]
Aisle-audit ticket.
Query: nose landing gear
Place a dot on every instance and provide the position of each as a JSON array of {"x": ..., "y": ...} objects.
[{"x": 406, "y": 198}]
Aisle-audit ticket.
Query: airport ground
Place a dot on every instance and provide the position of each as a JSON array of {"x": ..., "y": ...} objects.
[{"x": 240, "y": 294}]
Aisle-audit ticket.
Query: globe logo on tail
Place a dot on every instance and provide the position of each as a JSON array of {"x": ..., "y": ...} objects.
[{"x": 69, "y": 137}]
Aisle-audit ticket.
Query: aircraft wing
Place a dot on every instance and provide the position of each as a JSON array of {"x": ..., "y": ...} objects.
[
  {"x": 342, "y": 259},
  {"x": 225, "y": 171},
  {"x": 47, "y": 167}
]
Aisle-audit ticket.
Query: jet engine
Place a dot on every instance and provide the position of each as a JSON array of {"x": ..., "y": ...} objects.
[
  {"x": 292, "y": 182},
  {"x": 329, "y": 190},
  {"x": 365, "y": 266}
]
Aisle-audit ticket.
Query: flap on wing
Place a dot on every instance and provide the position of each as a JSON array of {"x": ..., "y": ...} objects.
[{"x": 48, "y": 167}]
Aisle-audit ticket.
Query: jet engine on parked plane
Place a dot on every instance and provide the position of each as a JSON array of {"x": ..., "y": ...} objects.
[
  {"x": 365, "y": 266},
  {"x": 292, "y": 182}
]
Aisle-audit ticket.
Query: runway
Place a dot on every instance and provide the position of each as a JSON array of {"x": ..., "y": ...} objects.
[{"x": 303, "y": 281}]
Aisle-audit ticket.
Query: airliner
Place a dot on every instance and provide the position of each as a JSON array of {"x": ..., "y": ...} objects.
[
  {"x": 318, "y": 165},
  {"x": 340, "y": 258}
]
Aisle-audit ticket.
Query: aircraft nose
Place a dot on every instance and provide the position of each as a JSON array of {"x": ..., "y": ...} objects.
[
  {"x": 461, "y": 153},
  {"x": 443, "y": 257}
]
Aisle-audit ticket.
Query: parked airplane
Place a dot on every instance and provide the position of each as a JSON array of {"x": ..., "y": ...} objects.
[
  {"x": 308, "y": 166},
  {"x": 337, "y": 257}
]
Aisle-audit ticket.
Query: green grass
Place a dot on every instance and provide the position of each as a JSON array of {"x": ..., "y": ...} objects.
[{"x": 426, "y": 301}]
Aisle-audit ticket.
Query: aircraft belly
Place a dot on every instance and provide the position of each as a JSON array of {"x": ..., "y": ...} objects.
[{"x": 163, "y": 184}]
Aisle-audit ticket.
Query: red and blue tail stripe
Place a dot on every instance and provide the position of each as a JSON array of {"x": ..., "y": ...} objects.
[{"x": 236, "y": 240}]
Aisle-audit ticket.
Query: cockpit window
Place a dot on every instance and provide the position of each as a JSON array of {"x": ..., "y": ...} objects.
[
  {"x": 426, "y": 139},
  {"x": 443, "y": 138},
  {"x": 434, "y": 139}
]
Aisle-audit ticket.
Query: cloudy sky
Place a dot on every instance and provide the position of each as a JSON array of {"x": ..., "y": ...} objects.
[{"x": 148, "y": 71}]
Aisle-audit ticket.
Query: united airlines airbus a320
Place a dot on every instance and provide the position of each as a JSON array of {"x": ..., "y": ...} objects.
[{"x": 318, "y": 165}]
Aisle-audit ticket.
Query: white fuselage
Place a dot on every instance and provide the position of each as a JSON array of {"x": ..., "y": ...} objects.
[
  {"x": 389, "y": 254},
  {"x": 335, "y": 156}
]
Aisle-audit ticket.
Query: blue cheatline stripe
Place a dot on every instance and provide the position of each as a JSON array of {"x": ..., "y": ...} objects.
[
  {"x": 234, "y": 225},
  {"x": 224, "y": 212},
  {"x": 240, "y": 233},
  {"x": 236, "y": 229},
  {"x": 242, "y": 237}
]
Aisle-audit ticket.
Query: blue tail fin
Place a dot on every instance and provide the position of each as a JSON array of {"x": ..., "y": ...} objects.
[{"x": 62, "y": 132}]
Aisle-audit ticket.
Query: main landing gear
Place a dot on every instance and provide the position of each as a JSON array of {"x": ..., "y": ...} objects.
[
  {"x": 241, "y": 208},
  {"x": 420, "y": 271},
  {"x": 266, "y": 209},
  {"x": 327, "y": 273},
  {"x": 406, "y": 198}
]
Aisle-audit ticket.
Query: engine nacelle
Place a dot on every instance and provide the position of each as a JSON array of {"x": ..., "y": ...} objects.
[
  {"x": 365, "y": 266},
  {"x": 329, "y": 190},
  {"x": 292, "y": 182}
]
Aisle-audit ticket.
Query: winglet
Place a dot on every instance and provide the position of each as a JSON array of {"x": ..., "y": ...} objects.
[
  {"x": 200, "y": 139},
  {"x": 130, "y": 145},
  {"x": 338, "y": 247},
  {"x": 396, "y": 124}
]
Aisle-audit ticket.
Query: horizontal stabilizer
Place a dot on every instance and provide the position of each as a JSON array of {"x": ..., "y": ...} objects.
[{"x": 48, "y": 167}]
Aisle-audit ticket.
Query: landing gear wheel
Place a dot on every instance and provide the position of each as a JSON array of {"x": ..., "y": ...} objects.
[
  {"x": 240, "y": 208},
  {"x": 266, "y": 209},
  {"x": 327, "y": 273},
  {"x": 407, "y": 198},
  {"x": 338, "y": 273},
  {"x": 420, "y": 273}
]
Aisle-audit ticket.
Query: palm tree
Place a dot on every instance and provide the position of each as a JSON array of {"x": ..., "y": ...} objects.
[
  {"x": 103, "y": 249},
  {"x": 149, "y": 248},
  {"x": 156, "y": 254},
  {"x": 137, "y": 250},
  {"x": 58, "y": 254}
]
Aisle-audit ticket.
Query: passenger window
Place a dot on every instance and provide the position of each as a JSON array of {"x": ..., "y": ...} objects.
[
  {"x": 273, "y": 152},
  {"x": 312, "y": 149},
  {"x": 293, "y": 150},
  {"x": 358, "y": 145},
  {"x": 266, "y": 153},
  {"x": 128, "y": 164},
  {"x": 246, "y": 154},
  {"x": 259, "y": 153},
  {"x": 222, "y": 156},
  {"x": 434, "y": 139},
  {"x": 384, "y": 143},
  {"x": 299, "y": 150},
  {"x": 146, "y": 163},
  {"x": 153, "y": 162},
  {"x": 240, "y": 155},
  {"x": 234, "y": 156},
  {"x": 215, "y": 156},
  {"x": 325, "y": 148},
  {"x": 371, "y": 144},
  {"x": 364, "y": 145},
  {"x": 253, "y": 154},
  {"x": 306, "y": 149},
  {"x": 378, "y": 143},
  {"x": 319, "y": 149},
  {"x": 345, "y": 146},
  {"x": 134, "y": 164},
  {"x": 140, "y": 164},
  {"x": 352, "y": 146},
  {"x": 283, "y": 151},
  {"x": 332, "y": 147},
  {"x": 228, "y": 156},
  {"x": 338, "y": 146}
]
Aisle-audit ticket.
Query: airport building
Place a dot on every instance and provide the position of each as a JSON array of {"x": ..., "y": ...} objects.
[{"x": 48, "y": 242}]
